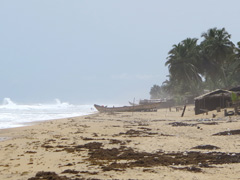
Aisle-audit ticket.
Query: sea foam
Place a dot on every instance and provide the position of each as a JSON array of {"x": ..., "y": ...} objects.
[{"x": 15, "y": 115}]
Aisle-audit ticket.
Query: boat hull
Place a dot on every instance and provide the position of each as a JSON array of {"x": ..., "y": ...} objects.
[{"x": 145, "y": 107}]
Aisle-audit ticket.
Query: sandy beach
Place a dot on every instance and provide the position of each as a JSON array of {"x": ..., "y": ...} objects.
[{"x": 139, "y": 145}]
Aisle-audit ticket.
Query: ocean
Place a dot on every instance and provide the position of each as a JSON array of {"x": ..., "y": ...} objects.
[{"x": 16, "y": 115}]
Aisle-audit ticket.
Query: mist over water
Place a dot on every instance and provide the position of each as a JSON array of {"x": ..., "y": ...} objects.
[{"x": 16, "y": 115}]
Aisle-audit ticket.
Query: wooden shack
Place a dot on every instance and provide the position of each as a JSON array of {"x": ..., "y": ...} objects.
[
  {"x": 235, "y": 89},
  {"x": 212, "y": 100}
]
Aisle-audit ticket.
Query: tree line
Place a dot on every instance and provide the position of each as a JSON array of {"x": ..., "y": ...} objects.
[{"x": 214, "y": 63}]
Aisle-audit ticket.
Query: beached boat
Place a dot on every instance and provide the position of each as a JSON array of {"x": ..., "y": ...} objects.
[
  {"x": 146, "y": 101},
  {"x": 144, "y": 107},
  {"x": 149, "y": 101},
  {"x": 162, "y": 103},
  {"x": 133, "y": 104}
]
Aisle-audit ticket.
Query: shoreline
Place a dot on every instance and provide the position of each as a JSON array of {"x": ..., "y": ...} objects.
[
  {"x": 17, "y": 115},
  {"x": 33, "y": 123},
  {"x": 95, "y": 145}
]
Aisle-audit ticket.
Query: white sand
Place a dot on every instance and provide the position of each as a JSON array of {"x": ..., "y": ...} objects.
[{"x": 22, "y": 156}]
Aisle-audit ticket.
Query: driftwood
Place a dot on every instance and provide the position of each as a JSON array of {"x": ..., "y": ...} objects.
[{"x": 183, "y": 111}]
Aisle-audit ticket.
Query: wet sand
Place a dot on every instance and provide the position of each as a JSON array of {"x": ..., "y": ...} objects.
[{"x": 139, "y": 145}]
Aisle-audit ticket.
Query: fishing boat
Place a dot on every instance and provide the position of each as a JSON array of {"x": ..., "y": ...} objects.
[
  {"x": 162, "y": 103},
  {"x": 146, "y": 101},
  {"x": 133, "y": 104},
  {"x": 143, "y": 107}
]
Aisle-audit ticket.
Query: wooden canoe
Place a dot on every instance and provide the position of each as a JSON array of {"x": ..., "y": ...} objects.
[
  {"x": 133, "y": 104},
  {"x": 144, "y": 107}
]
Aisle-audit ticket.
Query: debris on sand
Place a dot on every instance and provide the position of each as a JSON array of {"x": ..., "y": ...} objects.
[
  {"x": 138, "y": 133},
  {"x": 209, "y": 123},
  {"x": 41, "y": 175},
  {"x": 191, "y": 168},
  {"x": 70, "y": 171},
  {"x": 111, "y": 158},
  {"x": 91, "y": 145},
  {"x": 181, "y": 124},
  {"x": 208, "y": 147},
  {"x": 48, "y": 175},
  {"x": 230, "y": 132}
]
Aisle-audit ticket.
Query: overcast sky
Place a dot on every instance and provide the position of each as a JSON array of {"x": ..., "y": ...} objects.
[{"x": 90, "y": 51}]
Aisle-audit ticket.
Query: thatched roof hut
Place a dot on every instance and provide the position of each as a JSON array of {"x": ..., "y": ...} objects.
[
  {"x": 235, "y": 89},
  {"x": 211, "y": 101}
]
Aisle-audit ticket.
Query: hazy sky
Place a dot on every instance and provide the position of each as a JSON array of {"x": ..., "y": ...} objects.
[{"x": 89, "y": 51}]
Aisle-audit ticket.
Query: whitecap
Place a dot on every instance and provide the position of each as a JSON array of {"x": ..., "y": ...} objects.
[{"x": 14, "y": 115}]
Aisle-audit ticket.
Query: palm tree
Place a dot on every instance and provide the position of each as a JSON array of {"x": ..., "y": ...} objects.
[
  {"x": 182, "y": 64},
  {"x": 155, "y": 92},
  {"x": 158, "y": 92},
  {"x": 237, "y": 57},
  {"x": 235, "y": 67},
  {"x": 216, "y": 49}
]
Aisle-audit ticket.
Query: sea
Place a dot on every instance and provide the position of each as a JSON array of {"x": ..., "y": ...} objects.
[{"x": 13, "y": 114}]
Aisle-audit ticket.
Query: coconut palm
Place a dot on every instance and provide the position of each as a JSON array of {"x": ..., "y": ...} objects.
[
  {"x": 237, "y": 57},
  {"x": 182, "y": 64},
  {"x": 234, "y": 71},
  {"x": 216, "y": 49},
  {"x": 158, "y": 92},
  {"x": 215, "y": 63},
  {"x": 155, "y": 92}
]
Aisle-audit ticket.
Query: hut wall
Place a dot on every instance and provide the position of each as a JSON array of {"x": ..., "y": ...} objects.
[{"x": 210, "y": 103}]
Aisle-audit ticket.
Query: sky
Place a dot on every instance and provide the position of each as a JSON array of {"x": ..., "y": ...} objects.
[{"x": 92, "y": 51}]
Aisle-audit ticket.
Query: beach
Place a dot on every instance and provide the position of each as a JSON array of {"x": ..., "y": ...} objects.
[{"x": 131, "y": 145}]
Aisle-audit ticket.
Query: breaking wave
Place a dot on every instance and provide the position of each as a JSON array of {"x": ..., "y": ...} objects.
[{"x": 13, "y": 114}]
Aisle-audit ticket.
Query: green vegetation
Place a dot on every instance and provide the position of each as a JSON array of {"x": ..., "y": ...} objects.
[{"x": 212, "y": 64}]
